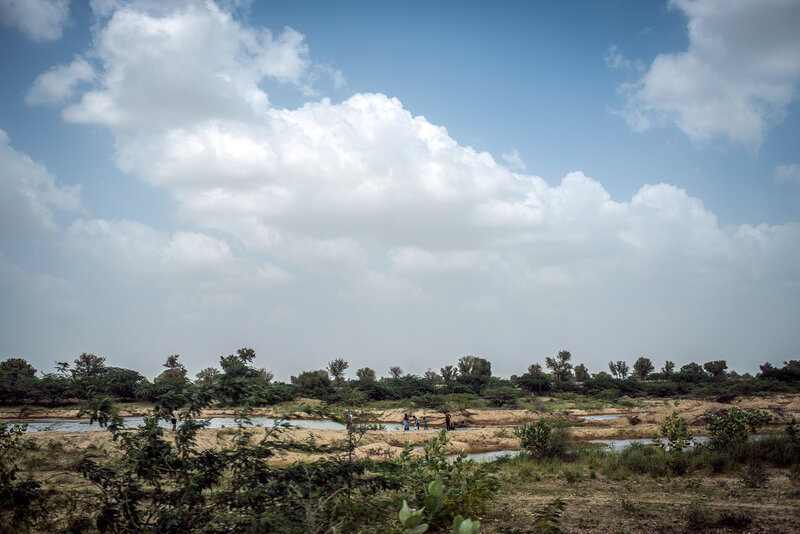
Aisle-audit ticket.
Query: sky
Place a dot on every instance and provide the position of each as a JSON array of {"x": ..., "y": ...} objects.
[{"x": 400, "y": 183}]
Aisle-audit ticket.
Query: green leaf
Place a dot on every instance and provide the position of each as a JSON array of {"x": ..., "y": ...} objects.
[
  {"x": 436, "y": 487},
  {"x": 410, "y": 518}
]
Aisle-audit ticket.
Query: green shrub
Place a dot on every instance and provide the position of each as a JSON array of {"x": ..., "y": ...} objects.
[
  {"x": 543, "y": 440},
  {"x": 469, "y": 484},
  {"x": 644, "y": 459},
  {"x": 733, "y": 426}
]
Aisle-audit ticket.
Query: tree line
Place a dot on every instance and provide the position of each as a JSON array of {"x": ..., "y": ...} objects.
[{"x": 238, "y": 382}]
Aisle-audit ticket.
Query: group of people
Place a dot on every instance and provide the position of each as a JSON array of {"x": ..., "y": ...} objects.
[
  {"x": 412, "y": 420},
  {"x": 408, "y": 422}
]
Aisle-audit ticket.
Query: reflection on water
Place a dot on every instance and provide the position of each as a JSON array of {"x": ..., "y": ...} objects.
[
  {"x": 619, "y": 444},
  {"x": 606, "y": 416},
  {"x": 79, "y": 425}
]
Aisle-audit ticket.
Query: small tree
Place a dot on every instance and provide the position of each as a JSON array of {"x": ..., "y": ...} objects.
[
  {"x": 642, "y": 367},
  {"x": 535, "y": 368},
  {"x": 88, "y": 365},
  {"x": 716, "y": 368},
  {"x": 619, "y": 369},
  {"x": 668, "y": 368},
  {"x": 535, "y": 437},
  {"x": 560, "y": 366},
  {"x": 433, "y": 376},
  {"x": 337, "y": 368},
  {"x": 581, "y": 373},
  {"x": 395, "y": 371},
  {"x": 206, "y": 375},
  {"x": 449, "y": 373},
  {"x": 366, "y": 374}
]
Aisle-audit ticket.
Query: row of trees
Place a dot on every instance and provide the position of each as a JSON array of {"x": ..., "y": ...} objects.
[{"x": 236, "y": 378}]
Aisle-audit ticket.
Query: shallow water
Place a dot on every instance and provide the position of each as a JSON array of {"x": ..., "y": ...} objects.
[
  {"x": 606, "y": 416},
  {"x": 81, "y": 425}
]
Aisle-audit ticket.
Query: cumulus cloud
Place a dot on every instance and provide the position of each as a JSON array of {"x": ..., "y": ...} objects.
[
  {"x": 209, "y": 66},
  {"x": 788, "y": 174},
  {"x": 513, "y": 160},
  {"x": 40, "y": 20},
  {"x": 180, "y": 258},
  {"x": 59, "y": 84},
  {"x": 735, "y": 80},
  {"x": 365, "y": 203},
  {"x": 28, "y": 194},
  {"x": 614, "y": 59}
]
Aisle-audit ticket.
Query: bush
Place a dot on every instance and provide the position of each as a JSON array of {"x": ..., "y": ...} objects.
[
  {"x": 733, "y": 426},
  {"x": 469, "y": 484},
  {"x": 543, "y": 440},
  {"x": 643, "y": 458}
]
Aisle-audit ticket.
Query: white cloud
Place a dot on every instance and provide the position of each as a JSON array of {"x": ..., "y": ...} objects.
[
  {"x": 788, "y": 174},
  {"x": 209, "y": 66},
  {"x": 28, "y": 193},
  {"x": 736, "y": 79},
  {"x": 40, "y": 20},
  {"x": 513, "y": 160},
  {"x": 364, "y": 204},
  {"x": 182, "y": 258},
  {"x": 615, "y": 60},
  {"x": 59, "y": 84}
]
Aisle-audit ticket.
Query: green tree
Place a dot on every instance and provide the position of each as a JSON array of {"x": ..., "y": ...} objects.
[
  {"x": 619, "y": 369},
  {"x": 474, "y": 365},
  {"x": 642, "y": 367},
  {"x": 668, "y": 368},
  {"x": 87, "y": 374},
  {"x": 581, "y": 373},
  {"x": 314, "y": 384},
  {"x": 88, "y": 365},
  {"x": 337, "y": 368},
  {"x": 716, "y": 368},
  {"x": 206, "y": 376},
  {"x": 433, "y": 376},
  {"x": 366, "y": 374},
  {"x": 17, "y": 381},
  {"x": 449, "y": 373},
  {"x": 395, "y": 372},
  {"x": 560, "y": 366}
]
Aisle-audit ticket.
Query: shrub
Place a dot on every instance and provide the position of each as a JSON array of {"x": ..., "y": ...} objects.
[
  {"x": 643, "y": 458},
  {"x": 733, "y": 426},
  {"x": 535, "y": 437},
  {"x": 469, "y": 484}
]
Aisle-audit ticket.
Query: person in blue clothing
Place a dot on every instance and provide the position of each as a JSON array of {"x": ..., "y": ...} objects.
[
  {"x": 406, "y": 422},
  {"x": 425, "y": 421}
]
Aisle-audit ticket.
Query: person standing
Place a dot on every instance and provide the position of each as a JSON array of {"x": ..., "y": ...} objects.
[
  {"x": 425, "y": 421},
  {"x": 447, "y": 421},
  {"x": 406, "y": 423}
]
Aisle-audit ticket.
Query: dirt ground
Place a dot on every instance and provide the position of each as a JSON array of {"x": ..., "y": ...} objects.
[{"x": 645, "y": 505}]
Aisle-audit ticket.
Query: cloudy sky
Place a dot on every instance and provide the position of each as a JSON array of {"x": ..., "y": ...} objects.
[{"x": 400, "y": 183}]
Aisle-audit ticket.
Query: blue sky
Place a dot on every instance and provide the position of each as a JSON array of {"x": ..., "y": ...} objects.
[{"x": 400, "y": 184}]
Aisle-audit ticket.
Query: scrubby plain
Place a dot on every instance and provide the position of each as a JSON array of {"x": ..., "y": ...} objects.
[{"x": 724, "y": 461}]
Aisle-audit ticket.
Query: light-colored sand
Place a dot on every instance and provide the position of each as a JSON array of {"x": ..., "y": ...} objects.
[{"x": 496, "y": 432}]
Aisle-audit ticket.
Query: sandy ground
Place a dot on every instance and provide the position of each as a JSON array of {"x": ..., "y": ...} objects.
[{"x": 494, "y": 430}]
